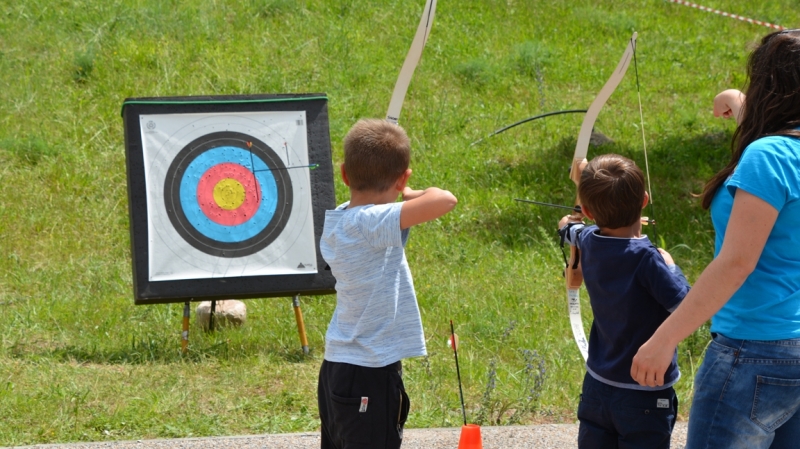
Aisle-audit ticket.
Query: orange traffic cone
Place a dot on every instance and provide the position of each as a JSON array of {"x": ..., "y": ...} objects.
[{"x": 470, "y": 437}]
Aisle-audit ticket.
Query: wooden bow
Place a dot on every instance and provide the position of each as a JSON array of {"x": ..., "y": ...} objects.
[
  {"x": 412, "y": 59},
  {"x": 572, "y": 272}
]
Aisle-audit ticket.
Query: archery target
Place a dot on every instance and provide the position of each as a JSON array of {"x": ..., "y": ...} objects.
[{"x": 228, "y": 195}]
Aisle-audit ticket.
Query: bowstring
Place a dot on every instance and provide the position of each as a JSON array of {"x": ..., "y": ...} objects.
[{"x": 644, "y": 144}]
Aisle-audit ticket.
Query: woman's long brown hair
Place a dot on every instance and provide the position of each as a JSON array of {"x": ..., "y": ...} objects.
[{"x": 772, "y": 103}]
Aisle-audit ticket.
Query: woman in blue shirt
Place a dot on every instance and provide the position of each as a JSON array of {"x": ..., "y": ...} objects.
[{"x": 747, "y": 391}]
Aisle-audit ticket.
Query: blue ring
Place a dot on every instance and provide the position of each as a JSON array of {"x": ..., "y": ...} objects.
[{"x": 196, "y": 216}]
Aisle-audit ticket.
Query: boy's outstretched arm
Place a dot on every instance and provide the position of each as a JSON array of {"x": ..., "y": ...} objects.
[
  {"x": 728, "y": 103},
  {"x": 566, "y": 227},
  {"x": 420, "y": 206}
]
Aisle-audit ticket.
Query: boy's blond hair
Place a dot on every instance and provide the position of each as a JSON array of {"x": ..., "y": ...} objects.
[
  {"x": 376, "y": 154},
  {"x": 612, "y": 189}
]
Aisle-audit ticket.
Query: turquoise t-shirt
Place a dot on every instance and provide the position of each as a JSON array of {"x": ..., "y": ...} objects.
[{"x": 767, "y": 306}]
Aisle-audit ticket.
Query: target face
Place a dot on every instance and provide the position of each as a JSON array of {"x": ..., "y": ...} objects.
[{"x": 228, "y": 194}]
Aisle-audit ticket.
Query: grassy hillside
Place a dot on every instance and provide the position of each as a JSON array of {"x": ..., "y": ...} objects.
[{"x": 78, "y": 361}]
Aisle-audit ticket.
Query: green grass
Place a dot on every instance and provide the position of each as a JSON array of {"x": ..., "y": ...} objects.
[{"x": 78, "y": 361}]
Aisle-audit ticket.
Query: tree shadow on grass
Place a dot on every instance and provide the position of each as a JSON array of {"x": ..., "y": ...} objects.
[
  {"x": 158, "y": 349},
  {"x": 679, "y": 167}
]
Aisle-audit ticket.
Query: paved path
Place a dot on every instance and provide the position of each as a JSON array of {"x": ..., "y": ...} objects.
[{"x": 547, "y": 436}]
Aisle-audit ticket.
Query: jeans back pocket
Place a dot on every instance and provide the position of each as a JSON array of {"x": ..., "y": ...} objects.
[{"x": 775, "y": 401}]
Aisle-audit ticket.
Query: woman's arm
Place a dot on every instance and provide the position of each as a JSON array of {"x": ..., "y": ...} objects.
[{"x": 749, "y": 226}]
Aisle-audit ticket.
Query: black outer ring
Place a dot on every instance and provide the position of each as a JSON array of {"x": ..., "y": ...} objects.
[{"x": 194, "y": 237}]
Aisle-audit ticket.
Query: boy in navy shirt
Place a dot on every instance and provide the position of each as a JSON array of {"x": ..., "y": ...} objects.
[{"x": 633, "y": 287}]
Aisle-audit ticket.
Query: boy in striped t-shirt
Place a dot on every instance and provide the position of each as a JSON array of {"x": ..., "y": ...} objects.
[{"x": 376, "y": 323}]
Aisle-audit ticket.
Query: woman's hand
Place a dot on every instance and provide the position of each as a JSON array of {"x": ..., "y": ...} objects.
[
  {"x": 651, "y": 362},
  {"x": 728, "y": 103},
  {"x": 667, "y": 256}
]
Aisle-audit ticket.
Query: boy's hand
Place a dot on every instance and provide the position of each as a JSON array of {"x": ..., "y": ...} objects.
[
  {"x": 728, "y": 103},
  {"x": 410, "y": 194},
  {"x": 572, "y": 218},
  {"x": 667, "y": 257}
]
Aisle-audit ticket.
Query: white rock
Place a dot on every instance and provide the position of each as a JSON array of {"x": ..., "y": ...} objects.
[{"x": 227, "y": 312}]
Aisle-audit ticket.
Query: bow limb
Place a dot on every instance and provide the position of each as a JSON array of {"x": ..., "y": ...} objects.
[
  {"x": 582, "y": 147},
  {"x": 412, "y": 59},
  {"x": 572, "y": 272},
  {"x": 529, "y": 119}
]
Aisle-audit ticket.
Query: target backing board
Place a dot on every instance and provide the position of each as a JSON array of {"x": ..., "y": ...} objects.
[{"x": 227, "y": 196}]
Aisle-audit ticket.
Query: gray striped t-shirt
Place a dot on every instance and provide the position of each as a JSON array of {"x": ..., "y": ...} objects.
[{"x": 376, "y": 321}]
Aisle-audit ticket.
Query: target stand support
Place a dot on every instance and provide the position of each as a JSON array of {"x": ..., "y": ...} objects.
[
  {"x": 301, "y": 327},
  {"x": 298, "y": 316},
  {"x": 185, "y": 332}
]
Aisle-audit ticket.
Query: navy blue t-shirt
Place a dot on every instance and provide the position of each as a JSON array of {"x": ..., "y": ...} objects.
[{"x": 632, "y": 291}]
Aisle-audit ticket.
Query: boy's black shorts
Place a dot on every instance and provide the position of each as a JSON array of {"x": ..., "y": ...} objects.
[
  {"x": 361, "y": 407},
  {"x": 625, "y": 419}
]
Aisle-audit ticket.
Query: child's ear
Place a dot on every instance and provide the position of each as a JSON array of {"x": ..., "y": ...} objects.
[
  {"x": 402, "y": 181},
  {"x": 646, "y": 199},
  {"x": 587, "y": 212},
  {"x": 344, "y": 176}
]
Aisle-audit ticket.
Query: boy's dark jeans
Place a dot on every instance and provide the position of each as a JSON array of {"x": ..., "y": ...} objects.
[
  {"x": 351, "y": 422},
  {"x": 619, "y": 418}
]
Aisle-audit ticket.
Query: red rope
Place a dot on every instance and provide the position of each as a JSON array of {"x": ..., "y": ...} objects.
[{"x": 727, "y": 14}]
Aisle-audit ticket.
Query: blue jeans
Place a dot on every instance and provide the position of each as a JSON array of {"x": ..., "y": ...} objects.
[
  {"x": 747, "y": 395},
  {"x": 619, "y": 418}
]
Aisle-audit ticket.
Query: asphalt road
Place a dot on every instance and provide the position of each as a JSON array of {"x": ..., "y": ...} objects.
[{"x": 547, "y": 436}]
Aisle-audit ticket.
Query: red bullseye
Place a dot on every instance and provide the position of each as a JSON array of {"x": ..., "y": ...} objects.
[{"x": 226, "y": 207}]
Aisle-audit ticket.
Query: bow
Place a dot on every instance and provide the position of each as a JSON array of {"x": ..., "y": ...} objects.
[
  {"x": 529, "y": 119},
  {"x": 412, "y": 59},
  {"x": 572, "y": 272}
]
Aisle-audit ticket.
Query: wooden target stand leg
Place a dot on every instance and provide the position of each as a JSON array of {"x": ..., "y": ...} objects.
[
  {"x": 298, "y": 316},
  {"x": 301, "y": 327},
  {"x": 185, "y": 333}
]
